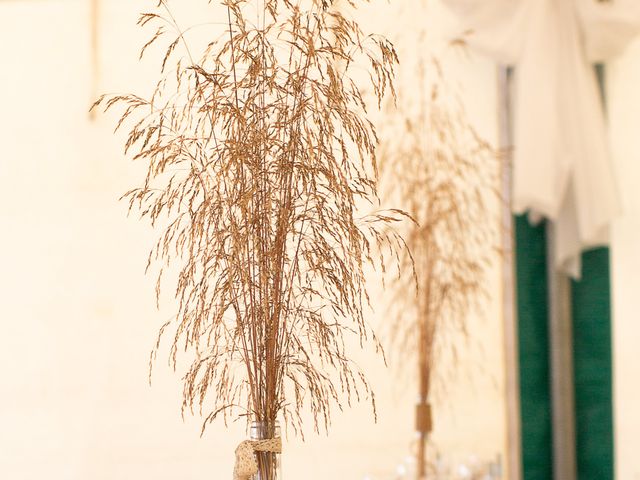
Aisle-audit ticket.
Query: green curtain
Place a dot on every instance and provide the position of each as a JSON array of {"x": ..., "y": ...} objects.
[
  {"x": 593, "y": 370},
  {"x": 591, "y": 304},
  {"x": 533, "y": 333}
]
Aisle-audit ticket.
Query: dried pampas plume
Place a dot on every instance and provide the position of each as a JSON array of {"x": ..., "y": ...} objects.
[{"x": 258, "y": 154}]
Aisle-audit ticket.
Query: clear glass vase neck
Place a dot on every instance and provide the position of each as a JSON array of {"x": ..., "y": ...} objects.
[{"x": 269, "y": 464}]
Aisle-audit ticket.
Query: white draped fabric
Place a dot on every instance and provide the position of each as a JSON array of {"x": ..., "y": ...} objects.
[{"x": 562, "y": 167}]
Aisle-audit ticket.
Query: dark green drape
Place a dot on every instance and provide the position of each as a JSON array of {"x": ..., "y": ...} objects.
[
  {"x": 591, "y": 301},
  {"x": 533, "y": 333}
]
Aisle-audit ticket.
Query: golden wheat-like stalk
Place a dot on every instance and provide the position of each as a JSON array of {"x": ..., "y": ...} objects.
[{"x": 259, "y": 152}]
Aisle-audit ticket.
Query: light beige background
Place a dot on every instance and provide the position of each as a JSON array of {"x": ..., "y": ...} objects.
[
  {"x": 623, "y": 79},
  {"x": 78, "y": 315}
]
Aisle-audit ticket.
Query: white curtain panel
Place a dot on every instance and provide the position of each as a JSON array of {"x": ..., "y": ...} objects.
[{"x": 562, "y": 167}]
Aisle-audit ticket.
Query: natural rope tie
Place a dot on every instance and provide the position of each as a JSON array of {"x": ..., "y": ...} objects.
[{"x": 246, "y": 463}]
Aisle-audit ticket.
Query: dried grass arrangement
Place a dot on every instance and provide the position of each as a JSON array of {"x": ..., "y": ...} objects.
[
  {"x": 446, "y": 176},
  {"x": 259, "y": 153}
]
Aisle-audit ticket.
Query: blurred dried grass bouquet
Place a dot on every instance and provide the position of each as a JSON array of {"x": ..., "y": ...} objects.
[
  {"x": 445, "y": 176},
  {"x": 259, "y": 153}
]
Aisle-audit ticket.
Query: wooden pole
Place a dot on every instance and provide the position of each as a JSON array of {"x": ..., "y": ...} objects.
[{"x": 513, "y": 448}]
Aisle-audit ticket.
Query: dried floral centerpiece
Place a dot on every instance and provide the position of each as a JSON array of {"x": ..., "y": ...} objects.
[
  {"x": 446, "y": 176},
  {"x": 259, "y": 152}
]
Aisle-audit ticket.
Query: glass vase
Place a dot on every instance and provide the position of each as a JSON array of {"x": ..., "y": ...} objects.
[{"x": 269, "y": 463}]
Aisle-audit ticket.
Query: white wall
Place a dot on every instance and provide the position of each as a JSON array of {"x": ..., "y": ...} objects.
[{"x": 78, "y": 317}]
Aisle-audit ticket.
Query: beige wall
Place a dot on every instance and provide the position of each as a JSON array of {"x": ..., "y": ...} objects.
[
  {"x": 78, "y": 316},
  {"x": 623, "y": 79}
]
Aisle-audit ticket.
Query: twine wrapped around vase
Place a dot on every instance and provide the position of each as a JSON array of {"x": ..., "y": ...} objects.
[{"x": 246, "y": 464}]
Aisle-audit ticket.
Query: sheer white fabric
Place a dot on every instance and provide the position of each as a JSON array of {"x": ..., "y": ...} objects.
[{"x": 562, "y": 165}]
